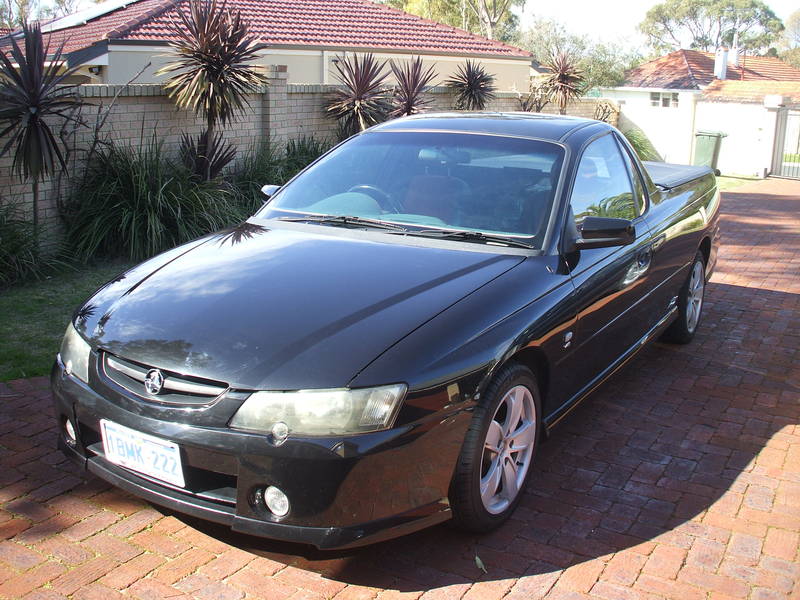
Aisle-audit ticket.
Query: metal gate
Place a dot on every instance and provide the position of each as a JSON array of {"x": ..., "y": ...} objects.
[{"x": 787, "y": 145}]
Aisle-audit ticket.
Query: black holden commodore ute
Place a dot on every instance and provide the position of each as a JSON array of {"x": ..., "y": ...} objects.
[{"x": 386, "y": 342}]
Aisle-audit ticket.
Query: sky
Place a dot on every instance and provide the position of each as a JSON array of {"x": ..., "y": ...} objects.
[{"x": 612, "y": 20}]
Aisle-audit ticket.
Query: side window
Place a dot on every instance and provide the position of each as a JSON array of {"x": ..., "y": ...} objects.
[
  {"x": 602, "y": 187},
  {"x": 638, "y": 188}
]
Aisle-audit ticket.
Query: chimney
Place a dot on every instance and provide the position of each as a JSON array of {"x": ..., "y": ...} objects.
[{"x": 721, "y": 63}]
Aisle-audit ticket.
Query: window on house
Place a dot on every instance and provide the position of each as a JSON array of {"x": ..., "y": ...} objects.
[{"x": 664, "y": 99}]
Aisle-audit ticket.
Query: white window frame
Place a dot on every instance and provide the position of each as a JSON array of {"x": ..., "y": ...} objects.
[{"x": 664, "y": 99}]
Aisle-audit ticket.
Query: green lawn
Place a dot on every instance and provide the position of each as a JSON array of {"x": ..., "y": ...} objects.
[
  {"x": 35, "y": 315},
  {"x": 728, "y": 183}
]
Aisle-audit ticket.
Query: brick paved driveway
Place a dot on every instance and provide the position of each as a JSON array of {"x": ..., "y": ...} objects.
[{"x": 680, "y": 479}]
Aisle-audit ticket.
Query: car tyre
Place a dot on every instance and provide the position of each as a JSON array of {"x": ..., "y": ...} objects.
[
  {"x": 498, "y": 451},
  {"x": 690, "y": 305}
]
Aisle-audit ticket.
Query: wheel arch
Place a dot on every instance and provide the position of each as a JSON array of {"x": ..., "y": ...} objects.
[
  {"x": 705, "y": 249},
  {"x": 535, "y": 359}
]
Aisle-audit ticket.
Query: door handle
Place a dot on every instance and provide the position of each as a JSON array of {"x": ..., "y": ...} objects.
[{"x": 640, "y": 266}]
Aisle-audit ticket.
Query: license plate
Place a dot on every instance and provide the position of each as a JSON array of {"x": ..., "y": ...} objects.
[{"x": 152, "y": 456}]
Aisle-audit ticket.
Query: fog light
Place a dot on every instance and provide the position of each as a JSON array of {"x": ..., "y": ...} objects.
[
  {"x": 276, "y": 501},
  {"x": 280, "y": 431},
  {"x": 69, "y": 431}
]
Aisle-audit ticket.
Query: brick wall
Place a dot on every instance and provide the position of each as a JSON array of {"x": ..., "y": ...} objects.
[{"x": 280, "y": 111}]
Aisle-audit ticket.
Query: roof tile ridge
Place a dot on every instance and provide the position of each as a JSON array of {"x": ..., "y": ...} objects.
[
  {"x": 391, "y": 9},
  {"x": 135, "y": 22},
  {"x": 689, "y": 68}
]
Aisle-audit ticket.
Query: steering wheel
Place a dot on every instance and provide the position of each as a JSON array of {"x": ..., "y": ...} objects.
[{"x": 384, "y": 200}]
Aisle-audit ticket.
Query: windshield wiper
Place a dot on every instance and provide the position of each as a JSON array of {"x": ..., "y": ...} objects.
[
  {"x": 346, "y": 220},
  {"x": 472, "y": 236}
]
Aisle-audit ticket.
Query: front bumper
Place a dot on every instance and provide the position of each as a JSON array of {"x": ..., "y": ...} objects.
[{"x": 344, "y": 492}]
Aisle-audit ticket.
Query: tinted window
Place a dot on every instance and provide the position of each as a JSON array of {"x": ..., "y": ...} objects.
[
  {"x": 602, "y": 187},
  {"x": 446, "y": 180}
]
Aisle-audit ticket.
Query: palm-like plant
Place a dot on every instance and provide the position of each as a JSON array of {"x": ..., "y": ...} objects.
[
  {"x": 214, "y": 70},
  {"x": 206, "y": 158},
  {"x": 565, "y": 79},
  {"x": 413, "y": 80},
  {"x": 362, "y": 101},
  {"x": 474, "y": 87},
  {"x": 33, "y": 96}
]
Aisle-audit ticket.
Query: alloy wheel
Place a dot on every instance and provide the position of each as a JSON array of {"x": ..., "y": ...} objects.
[
  {"x": 508, "y": 449},
  {"x": 694, "y": 301}
]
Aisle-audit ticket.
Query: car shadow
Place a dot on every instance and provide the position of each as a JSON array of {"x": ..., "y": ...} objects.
[{"x": 671, "y": 439}]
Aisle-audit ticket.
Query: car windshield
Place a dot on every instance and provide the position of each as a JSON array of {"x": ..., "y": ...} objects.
[{"x": 430, "y": 180}]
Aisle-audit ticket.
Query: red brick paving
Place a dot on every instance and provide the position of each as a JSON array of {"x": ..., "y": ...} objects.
[{"x": 680, "y": 479}]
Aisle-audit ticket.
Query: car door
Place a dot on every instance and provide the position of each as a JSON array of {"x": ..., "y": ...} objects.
[{"x": 610, "y": 283}]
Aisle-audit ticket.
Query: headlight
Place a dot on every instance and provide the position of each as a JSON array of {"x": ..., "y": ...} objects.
[
  {"x": 321, "y": 412},
  {"x": 75, "y": 354}
]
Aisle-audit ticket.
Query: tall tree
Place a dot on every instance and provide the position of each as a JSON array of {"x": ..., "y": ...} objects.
[
  {"x": 14, "y": 13},
  {"x": 791, "y": 35},
  {"x": 709, "y": 24},
  {"x": 603, "y": 64},
  {"x": 59, "y": 8},
  {"x": 466, "y": 14},
  {"x": 490, "y": 13}
]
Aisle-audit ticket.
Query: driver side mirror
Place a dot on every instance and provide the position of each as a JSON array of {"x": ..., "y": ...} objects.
[
  {"x": 269, "y": 191},
  {"x": 604, "y": 232}
]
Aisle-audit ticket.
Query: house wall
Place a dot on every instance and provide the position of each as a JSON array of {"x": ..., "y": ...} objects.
[
  {"x": 304, "y": 66},
  {"x": 670, "y": 129},
  {"x": 750, "y": 130},
  {"x": 279, "y": 111}
]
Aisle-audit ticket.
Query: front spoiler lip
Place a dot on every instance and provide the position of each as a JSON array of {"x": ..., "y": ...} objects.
[{"x": 324, "y": 538}]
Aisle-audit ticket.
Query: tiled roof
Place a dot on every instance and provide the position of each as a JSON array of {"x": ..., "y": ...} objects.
[
  {"x": 750, "y": 91},
  {"x": 316, "y": 23},
  {"x": 693, "y": 69}
]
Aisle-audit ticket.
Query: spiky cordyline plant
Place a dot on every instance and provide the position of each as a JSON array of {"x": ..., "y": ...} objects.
[
  {"x": 408, "y": 95},
  {"x": 33, "y": 93},
  {"x": 362, "y": 101},
  {"x": 204, "y": 160},
  {"x": 474, "y": 87},
  {"x": 214, "y": 70},
  {"x": 565, "y": 79}
]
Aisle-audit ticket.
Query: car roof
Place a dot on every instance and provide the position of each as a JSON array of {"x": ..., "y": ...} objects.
[{"x": 533, "y": 125}]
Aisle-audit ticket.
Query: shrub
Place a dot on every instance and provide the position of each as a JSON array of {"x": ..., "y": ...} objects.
[
  {"x": 538, "y": 97},
  {"x": 302, "y": 152},
  {"x": 261, "y": 165},
  {"x": 134, "y": 203},
  {"x": 20, "y": 258},
  {"x": 474, "y": 87},
  {"x": 267, "y": 163}
]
